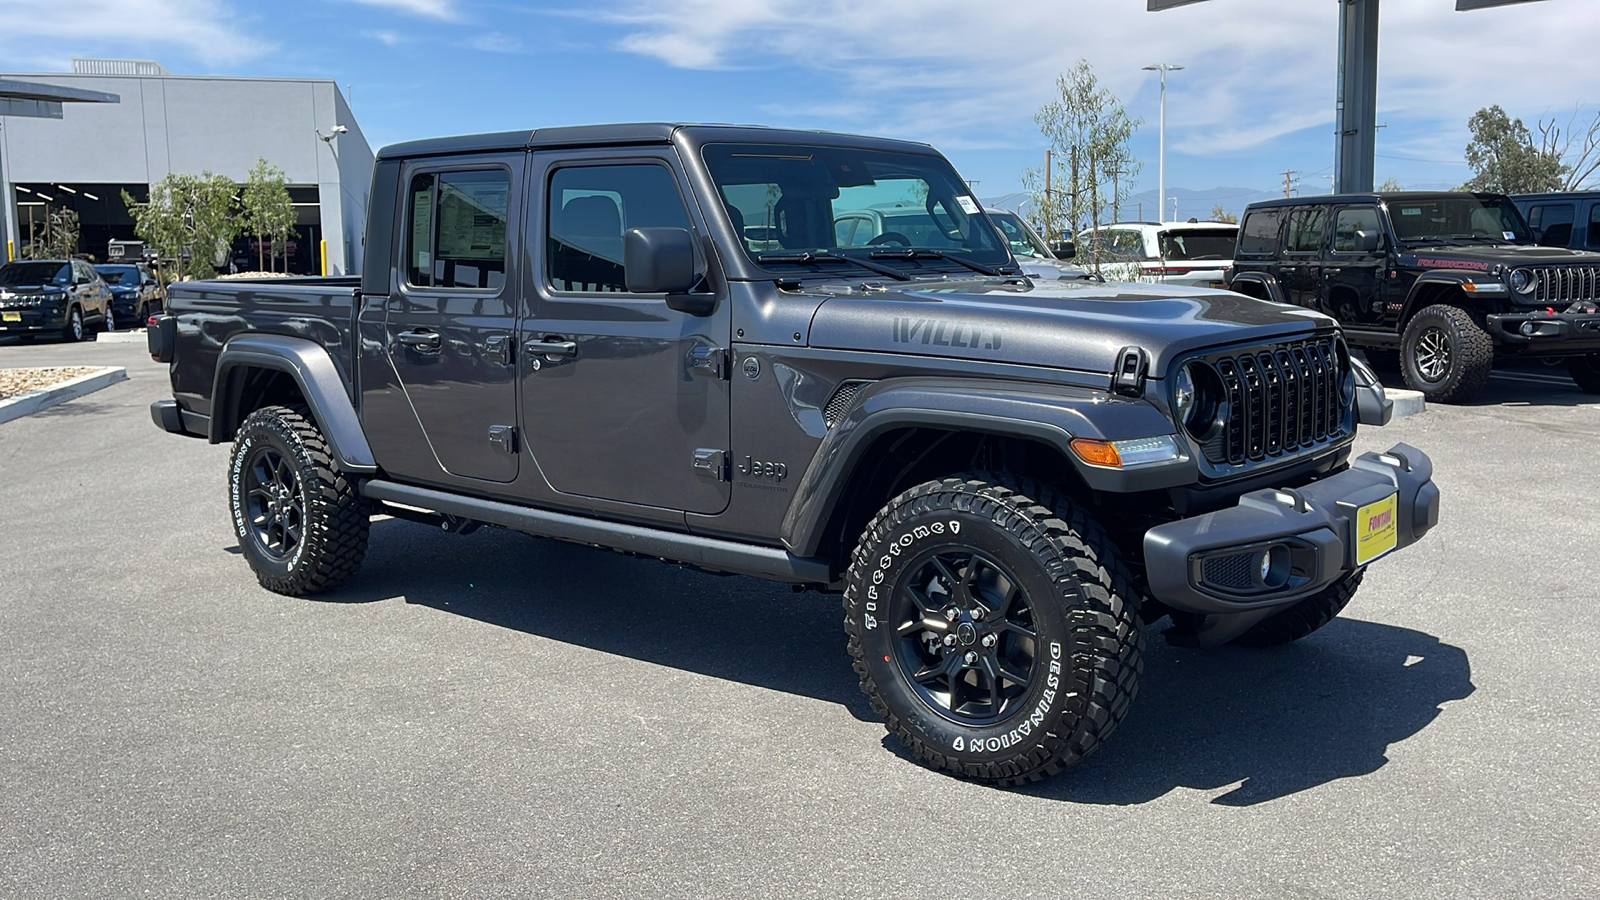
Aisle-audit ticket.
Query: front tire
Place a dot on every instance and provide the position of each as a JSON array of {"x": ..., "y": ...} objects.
[
  {"x": 301, "y": 523},
  {"x": 73, "y": 331},
  {"x": 1299, "y": 620},
  {"x": 1585, "y": 372},
  {"x": 993, "y": 626},
  {"x": 1446, "y": 354}
]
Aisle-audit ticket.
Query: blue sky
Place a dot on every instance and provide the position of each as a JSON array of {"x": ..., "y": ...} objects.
[{"x": 1255, "y": 98}]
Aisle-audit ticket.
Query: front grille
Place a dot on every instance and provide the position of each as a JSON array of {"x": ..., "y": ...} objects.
[
  {"x": 1277, "y": 399},
  {"x": 1566, "y": 284}
]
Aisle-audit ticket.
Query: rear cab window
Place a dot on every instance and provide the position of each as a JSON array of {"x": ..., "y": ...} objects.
[
  {"x": 1306, "y": 226},
  {"x": 456, "y": 229},
  {"x": 1258, "y": 236}
]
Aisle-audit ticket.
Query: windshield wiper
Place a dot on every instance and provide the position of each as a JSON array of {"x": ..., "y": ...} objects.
[
  {"x": 813, "y": 257},
  {"x": 930, "y": 253}
]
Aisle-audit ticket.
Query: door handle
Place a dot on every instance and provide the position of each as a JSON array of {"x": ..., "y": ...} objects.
[
  {"x": 1329, "y": 273},
  {"x": 551, "y": 348},
  {"x": 420, "y": 341}
]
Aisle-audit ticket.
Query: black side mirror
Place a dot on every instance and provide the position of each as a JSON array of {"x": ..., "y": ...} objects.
[
  {"x": 661, "y": 261},
  {"x": 1064, "y": 249},
  {"x": 1368, "y": 241}
]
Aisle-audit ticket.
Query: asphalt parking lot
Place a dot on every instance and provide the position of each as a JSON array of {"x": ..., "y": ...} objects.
[{"x": 493, "y": 715}]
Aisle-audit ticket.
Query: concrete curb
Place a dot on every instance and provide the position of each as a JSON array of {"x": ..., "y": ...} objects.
[
  {"x": 1406, "y": 403},
  {"x": 31, "y": 402},
  {"x": 120, "y": 337}
]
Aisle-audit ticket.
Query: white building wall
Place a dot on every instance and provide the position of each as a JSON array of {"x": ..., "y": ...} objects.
[{"x": 191, "y": 124}]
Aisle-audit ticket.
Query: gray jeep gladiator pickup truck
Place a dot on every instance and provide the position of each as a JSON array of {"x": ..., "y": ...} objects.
[{"x": 646, "y": 338}]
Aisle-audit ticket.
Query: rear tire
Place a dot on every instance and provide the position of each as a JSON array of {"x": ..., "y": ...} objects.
[
  {"x": 1446, "y": 354},
  {"x": 993, "y": 626},
  {"x": 1585, "y": 372},
  {"x": 1302, "y": 618},
  {"x": 301, "y": 523}
]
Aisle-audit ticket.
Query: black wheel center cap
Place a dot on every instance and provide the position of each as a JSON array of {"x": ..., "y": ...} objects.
[{"x": 966, "y": 634}]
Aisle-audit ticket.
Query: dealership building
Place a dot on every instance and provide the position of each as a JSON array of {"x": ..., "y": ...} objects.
[{"x": 156, "y": 123}]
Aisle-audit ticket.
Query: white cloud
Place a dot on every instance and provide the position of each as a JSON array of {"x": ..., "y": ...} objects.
[
  {"x": 386, "y": 37},
  {"x": 968, "y": 74},
  {"x": 495, "y": 42},
  {"x": 428, "y": 9},
  {"x": 202, "y": 29}
]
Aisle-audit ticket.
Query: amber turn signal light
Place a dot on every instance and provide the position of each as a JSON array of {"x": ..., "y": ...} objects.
[{"x": 1097, "y": 453}]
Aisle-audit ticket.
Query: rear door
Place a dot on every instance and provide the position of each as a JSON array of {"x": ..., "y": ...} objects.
[
  {"x": 1302, "y": 254},
  {"x": 623, "y": 399},
  {"x": 450, "y": 322}
]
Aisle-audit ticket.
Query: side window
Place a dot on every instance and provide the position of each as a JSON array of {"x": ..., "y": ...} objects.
[
  {"x": 1593, "y": 240},
  {"x": 842, "y": 230},
  {"x": 1259, "y": 234},
  {"x": 1552, "y": 223},
  {"x": 1305, "y": 230},
  {"x": 590, "y": 207},
  {"x": 456, "y": 229},
  {"x": 1350, "y": 220}
]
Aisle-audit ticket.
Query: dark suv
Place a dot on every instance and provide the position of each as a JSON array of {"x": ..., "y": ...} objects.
[
  {"x": 1439, "y": 285},
  {"x": 52, "y": 297},
  {"x": 135, "y": 292}
]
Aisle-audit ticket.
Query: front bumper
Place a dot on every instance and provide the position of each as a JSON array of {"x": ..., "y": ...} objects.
[
  {"x": 33, "y": 320},
  {"x": 1536, "y": 330},
  {"x": 1279, "y": 546}
]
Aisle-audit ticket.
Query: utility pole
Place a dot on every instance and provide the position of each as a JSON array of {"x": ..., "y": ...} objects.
[
  {"x": 1116, "y": 194},
  {"x": 1161, "y": 159},
  {"x": 1288, "y": 180},
  {"x": 1047, "y": 168}
]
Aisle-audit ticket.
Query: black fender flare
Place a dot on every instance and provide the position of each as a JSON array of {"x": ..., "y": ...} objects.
[
  {"x": 314, "y": 372},
  {"x": 1425, "y": 282},
  {"x": 1267, "y": 282},
  {"x": 1052, "y": 415}
]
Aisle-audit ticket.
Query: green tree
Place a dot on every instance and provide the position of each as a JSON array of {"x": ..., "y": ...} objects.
[
  {"x": 1218, "y": 214},
  {"x": 1090, "y": 136},
  {"x": 189, "y": 219},
  {"x": 1391, "y": 184},
  {"x": 268, "y": 210},
  {"x": 1504, "y": 158},
  {"x": 60, "y": 237}
]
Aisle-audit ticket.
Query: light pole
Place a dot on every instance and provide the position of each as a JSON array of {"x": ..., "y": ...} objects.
[{"x": 1161, "y": 160}]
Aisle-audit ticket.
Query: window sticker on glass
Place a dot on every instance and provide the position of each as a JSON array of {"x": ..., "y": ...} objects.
[
  {"x": 472, "y": 218},
  {"x": 968, "y": 205},
  {"x": 1411, "y": 211},
  {"x": 1509, "y": 235}
]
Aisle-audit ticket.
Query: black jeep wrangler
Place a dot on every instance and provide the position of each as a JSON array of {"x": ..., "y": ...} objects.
[
  {"x": 1439, "y": 285},
  {"x": 646, "y": 337}
]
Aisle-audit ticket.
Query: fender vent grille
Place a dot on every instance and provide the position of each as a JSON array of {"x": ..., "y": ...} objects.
[{"x": 844, "y": 396}]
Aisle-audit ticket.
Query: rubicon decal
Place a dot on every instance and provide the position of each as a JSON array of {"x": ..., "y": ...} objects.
[
  {"x": 940, "y": 333},
  {"x": 1473, "y": 265}
]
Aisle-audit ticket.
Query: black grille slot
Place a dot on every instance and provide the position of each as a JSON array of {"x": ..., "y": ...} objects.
[
  {"x": 844, "y": 396},
  {"x": 1279, "y": 399},
  {"x": 1566, "y": 284},
  {"x": 1232, "y": 571}
]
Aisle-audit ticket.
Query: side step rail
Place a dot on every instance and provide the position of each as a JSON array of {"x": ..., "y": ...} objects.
[{"x": 696, "y": 550}]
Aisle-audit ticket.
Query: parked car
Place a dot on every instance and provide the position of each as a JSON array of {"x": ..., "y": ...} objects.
[
  {"x": 1196, "y": 254},
  {"x": 1005, "y": 478},
  {"x": 1033, "y": 254},
  {"x": 1568, "y": 219},
  {"x": 135, "y": 293},
  {"x": 54, "y": 297},
  {"x": 1438, "y": 284}
]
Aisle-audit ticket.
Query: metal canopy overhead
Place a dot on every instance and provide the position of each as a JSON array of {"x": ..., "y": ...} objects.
[
  {"x": 1356, "y": 111},
  {"x": 43, "y": 101}
]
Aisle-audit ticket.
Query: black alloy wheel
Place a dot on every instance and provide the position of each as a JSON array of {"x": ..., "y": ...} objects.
[
  {"x": 275, "y": 504},
  {"x": 967, "y": 643}
]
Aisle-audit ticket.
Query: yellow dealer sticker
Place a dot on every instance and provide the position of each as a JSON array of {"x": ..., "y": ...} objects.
[{"x": 1376, "y": 530}]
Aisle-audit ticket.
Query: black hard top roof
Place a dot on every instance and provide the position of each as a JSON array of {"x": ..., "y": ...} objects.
[
  {"x": 635, "y": 133},
  {"x": 1367, "y": 197}
]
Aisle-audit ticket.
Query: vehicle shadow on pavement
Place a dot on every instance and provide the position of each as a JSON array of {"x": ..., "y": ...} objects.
[
  {"x": 727, "y": 627},
  {"x": 1273, "y": 722}
]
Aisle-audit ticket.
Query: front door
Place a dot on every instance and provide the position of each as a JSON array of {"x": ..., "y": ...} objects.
[
  {"x": 450, "y": 322},
  {"x": 623, "y": 399},
  {"x": 1352, "y": 279}
]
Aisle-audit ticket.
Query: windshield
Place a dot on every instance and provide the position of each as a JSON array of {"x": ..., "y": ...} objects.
[
  {"x": 118, "y": 274},
  {"x": 1214, "y": 243},
  {"x": 1021, "y": 238},
  {"x": 795, "y": 203},
  {"x": 27, "y": 274},
  {"x": 1457, "y": 216}
]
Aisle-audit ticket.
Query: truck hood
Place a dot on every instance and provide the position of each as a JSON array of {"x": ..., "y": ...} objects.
[
  {"x": 1061, "y": 324},
  {"x": 1484, "y": 257}
]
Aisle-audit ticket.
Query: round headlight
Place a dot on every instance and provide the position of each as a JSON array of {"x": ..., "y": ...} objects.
[
  {"x": 1197, "y": 395},
  {"x": 1522, "y": 281}
]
